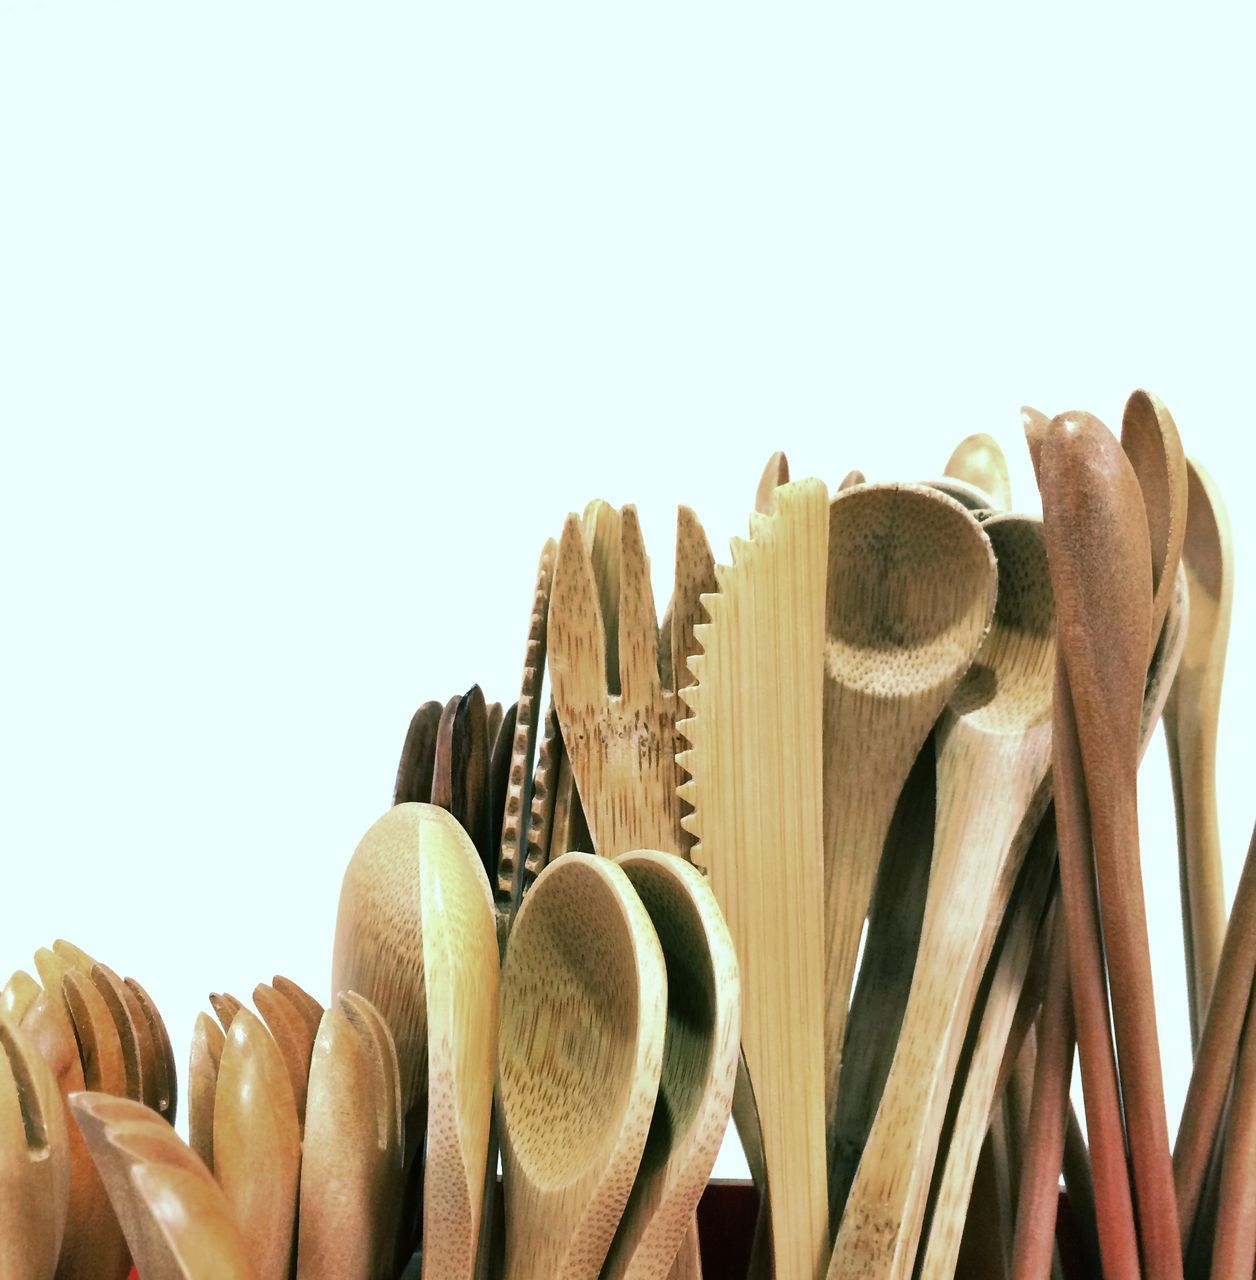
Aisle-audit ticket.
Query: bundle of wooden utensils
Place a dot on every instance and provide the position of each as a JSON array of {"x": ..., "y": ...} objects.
[{"x": 846, "y": 848}]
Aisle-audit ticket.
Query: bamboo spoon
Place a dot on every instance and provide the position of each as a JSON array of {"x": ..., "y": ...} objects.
[
  {"x": 1100, "y": 559},
  {"x": 584, "y": 998},
  {"x": 257, "y": 1144},
  {"x": 460, "y": 974},
  {"x": 418, "y": 756},
  {"x": 177, "y": 1220},
  {"x": 979, "y": 461},
  {"x": 34, "y": 1160},
  {"x": 1190, "y": 721},
  {"x": 207, "y": 1045},
  {"x": 909, "y": 598},
  {"x": 351, "y": 1165},
  {"x": 1149, "y": 437},
  {"x": 775, "y": 474},
  {"x": 993, "y": 740},
  {"x": 1218, "y": 1048},
  {"x": 755, "y": 766},
  {"x": 700, "y": 1057},
  {"x": 1011, "y": 967}
]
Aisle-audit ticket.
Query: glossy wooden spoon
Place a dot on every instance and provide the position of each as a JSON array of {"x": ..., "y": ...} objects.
[
  {"x": 177, "y": 1220},
  {"x": 145, "y": 1071},
  {"x": 1190, "y": 722},
  {"x": 1096, "y": 530},
  {"x": 257, "y": 1144},
  {"x": 207, "y": 1045},
  {"x": 909, "y": 597},
  {"x": 351, "y": 1165},
  {"x": 34, "y": 1160},
  {"x": 700, "y": 1058},
  {"x": 293, "y": 1038},
  {"x": 756, "y": 766},
  {"x": 460, "y": 771},
  {"x": 994, "y": 741},
  {"x": 979, "y": 461},
  {"x": 584, "y": 1007}
]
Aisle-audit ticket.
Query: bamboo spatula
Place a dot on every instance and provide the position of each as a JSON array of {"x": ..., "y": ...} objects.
[{"x": 755, "y": 766}]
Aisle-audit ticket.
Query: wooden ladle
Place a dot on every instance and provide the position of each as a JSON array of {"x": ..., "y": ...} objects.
[
  {"x": 909, "y": 597},
  {"x": 700, "y": 1058},
  {"x": 994, "y": 753},
  {"x": 584, "y": 1007},
  {"x": 34, "y": 1160}
]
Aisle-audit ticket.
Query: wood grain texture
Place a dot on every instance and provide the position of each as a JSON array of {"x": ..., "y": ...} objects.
[
  {"x": 700, "y": 1058},
  {"x": 909, "y": 597},
  {"x": 994, "y": 741},
  {"x": 755, "y": 766},
  {"x": 257, "y": 1145},
  {"x": 418, "y": 756},
  {"x": 351, "y": 1164},
  {"x": 991, "y": 1038},
  {"x": 584, "y": 1007},
  {"x": 1190, "y": 722},
  {"x": 1100, "y": 554},
  {"x": 176, "y": 1218},
  {"x": 34, "y": 1159},
  {"x": 978, "y": 460},
  {"x": 460, "y": 976}
]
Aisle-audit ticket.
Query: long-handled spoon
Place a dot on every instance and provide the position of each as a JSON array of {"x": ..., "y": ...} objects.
[
  {"x": 909, "y": 598},
  {"x": 1096, "y": 527},
  {"x": 755, "y": 766},
  {"x": 1190, "y": 722},
  {"x": 177, "y": 1221},
  {"x": 584, "y": 1001},
  {"x": 351, "y": 1164},
  {"x": 34, "y": 1160},
  {"x": 700, "y": 1057},
  {"x": 978, "y": 460},
  {"x": 257, "y": 1144},
  {"x": 993, "y": 741}
]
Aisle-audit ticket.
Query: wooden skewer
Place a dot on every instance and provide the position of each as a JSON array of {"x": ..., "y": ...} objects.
[{"x": 1101, "y": 572}]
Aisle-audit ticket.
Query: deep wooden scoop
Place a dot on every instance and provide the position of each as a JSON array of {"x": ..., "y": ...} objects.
[
  {"x": 584, "y": 1007},
  {"x": 910, "y": 593},
  {"x": 34, "y": 1160},
  {"x": 994, "y": 752},
  {"x": 700, "y": 1058}
]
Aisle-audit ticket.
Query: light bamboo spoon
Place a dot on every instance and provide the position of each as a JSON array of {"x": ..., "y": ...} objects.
[
  {"x": 460, "y": 975},
  {"x": 584, "y": 1007},
  {"x": 177, "y": 1221},
  {"x": 34, "y": 1160},
  {"x": 257, "y": 1144},
  {"x": 1096, "y": 529},
  {"x": 351, "y": 1164},
  {"x": 909, "y": 598},
  {"x": 1190, "y": 722},
  {"x": 979, "y": 461},
  {"x": 993, "y": 741},
  {"x": 700, "y": 1057},
  {"x": 755, "y": 766}
]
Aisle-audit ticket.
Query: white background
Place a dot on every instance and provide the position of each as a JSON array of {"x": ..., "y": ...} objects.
[{"x": 316, "y": 320}]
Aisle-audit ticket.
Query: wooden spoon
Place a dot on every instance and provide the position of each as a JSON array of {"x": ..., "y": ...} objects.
[
  {"x": 207, "y": 1045},
  {"x": 292, "y": 1037},
  {"x": 257, "y": 1144},
  {"x": 145, "y": 1071},
  {"x": 584, "y": 1007},
  {"x": 1190, "y": 722},
  {"x": 167, "y": 1073},
  {"x": 34, "y": 1160},
  {"x": 993, "y": 741},
  {"x": 978, "y": 460},
  {"x": 460, "y": 774},
  {"x": 755, "y": 766},
  {"x": 1096, "y": 530},
  {"x": 910, "y": 594},
  {"x": 775, "y": 474},
  {"x": 460, "y": 974},
  {"x": 700, "y": 1058},
  {"x": 177, "y": 1220},
  {"x": 418, "y": 756},
  {"x": 351, "y": 1165}
]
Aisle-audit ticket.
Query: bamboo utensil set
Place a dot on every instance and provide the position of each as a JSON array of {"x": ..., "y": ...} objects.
[{"x": 846, "y": 847}]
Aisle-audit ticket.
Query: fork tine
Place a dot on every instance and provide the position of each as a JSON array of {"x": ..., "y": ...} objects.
[
  {"x": 168, "y": 1075},
  {"x": 295, "y": 1043},
  {"x": 301, "y": 1000},
  {"x": 577, "y": 641},
  {"x": 74, "y": 956},
  {"x": 366, "y": 1020},
  {"x": 139, "y": 1054},
  {"x": 638, "y": 623},
  {"x": 226, "y": 1006},
  {"x": 100, "y": 1047}
]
